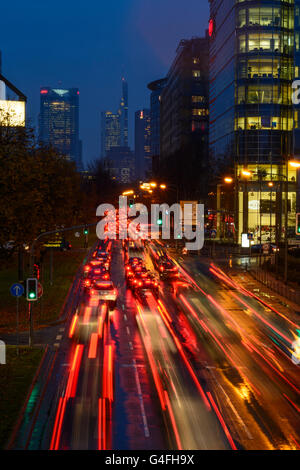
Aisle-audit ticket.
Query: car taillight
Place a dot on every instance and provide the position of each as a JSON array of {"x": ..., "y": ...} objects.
[
  {"x": 156, "y": 283},
  {"x": 87, "y": 283},
  {"x": 161, "y": 268},
  {"x": 87, "y": 268},
  {"x": 140, "y": 283},
  {"x": 92, "y": 292},
  {"x": 106, "y": 276}
]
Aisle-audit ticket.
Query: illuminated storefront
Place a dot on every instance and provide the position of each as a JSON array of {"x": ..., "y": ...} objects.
[{"x": 261, "y": 202}]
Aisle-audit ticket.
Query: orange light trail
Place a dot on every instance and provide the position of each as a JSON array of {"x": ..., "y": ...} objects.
[
  {"x": 73, "y": 376},
  {"x": 292, "y": 403},
  {"x": 73, "y": 326},
  {"x": 93, "y": 346},
  {"x": 223, "y": 424},
  {"x": 188, "y": 365},
  {"x": 276, "y": 370},
  {"x": 165, "y": 310},
  {"x": 173, "y": 421},
  {"x": 262, "y": 319},
  {"x": 87, "y": 315},
  {"x": 227, "y": 280}
]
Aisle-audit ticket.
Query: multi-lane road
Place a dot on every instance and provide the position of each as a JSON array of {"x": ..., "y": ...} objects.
[{"x": 207, "y": 366}]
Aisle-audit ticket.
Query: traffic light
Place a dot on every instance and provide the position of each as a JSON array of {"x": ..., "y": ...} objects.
[
  {"x": 131, "y": 202},
  {"x": 31, "y": 289},
  {"x": 298, "y": 223},
  {"x": 86, "y": 231},
  {"x": 159, "y": 221}
]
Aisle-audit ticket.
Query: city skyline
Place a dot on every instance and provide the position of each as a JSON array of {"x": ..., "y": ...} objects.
[{"x": 96, "y": 63}]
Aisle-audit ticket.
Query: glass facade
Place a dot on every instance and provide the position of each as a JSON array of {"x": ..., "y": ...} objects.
[
  {"x": 143, "y": 160},
  {"x": 253, "y": 51},
  {"x": 59, "y": 121},
  {"x": 110, "y": 132}
]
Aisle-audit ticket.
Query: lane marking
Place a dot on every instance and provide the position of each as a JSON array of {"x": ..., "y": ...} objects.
[
  {"x": 125, "y": 317},
  {"x": 59, "y": 337},
  {"x": 56, "y": 345},
  {"x": 128, "y": 330},
  {"x": 141, "y": 400},
  {"x": 130, "y": 345}
]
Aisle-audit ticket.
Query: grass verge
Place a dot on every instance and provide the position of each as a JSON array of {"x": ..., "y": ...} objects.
[
  {"x": 15, "y": 379},
  {"x": 48, "y": 307}
]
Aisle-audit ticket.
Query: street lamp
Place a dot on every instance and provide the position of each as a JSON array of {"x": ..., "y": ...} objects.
[
  {"x": 246, "y": 173},
  {"x": 228, "y": 180},
  {"x": 162, "y": 186},
  {"x": 294, "y": 163}
]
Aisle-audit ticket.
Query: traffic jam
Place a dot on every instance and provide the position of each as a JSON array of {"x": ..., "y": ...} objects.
[{"x": 140, "y": 306}]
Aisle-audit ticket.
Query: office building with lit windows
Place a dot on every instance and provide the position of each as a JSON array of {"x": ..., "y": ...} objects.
[
  {"x": 120, "y": 163},
  {"x": 124, "y": 114},
  {"x": 110, "y": 132},
  {"x": 59, "y": 121},
  {"x": 254, "y": 48},
  {"x": 184, "y": 98},
  {"x": 143, "y": 160},
  {"x": 156, "y": 88}
]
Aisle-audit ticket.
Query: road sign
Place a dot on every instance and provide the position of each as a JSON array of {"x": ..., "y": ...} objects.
[
  {"x": 17, "y": 290},
  {"x": 77, "y": 234},
  {"x": 40, "y": 290},
  {"x": 213, "y": 233}
]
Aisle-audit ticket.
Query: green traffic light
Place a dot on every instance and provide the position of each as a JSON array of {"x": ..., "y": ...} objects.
[
  {"x": 86, "y": 232},
  {"x": 159, "y": 222},
  {"x": 32, "y": 295}
]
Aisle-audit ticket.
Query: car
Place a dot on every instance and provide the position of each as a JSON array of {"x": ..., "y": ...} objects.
[
  {"x": 144, "y": 282},
  {"x": 92, "y": 265},
  {"x": 167, "y": 269},
  {"x": 135, "y": 260},
  {"x": 106, "y": 291}
]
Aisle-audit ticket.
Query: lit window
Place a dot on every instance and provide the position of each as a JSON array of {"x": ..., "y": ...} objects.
[{"x": 196, "y": 73}]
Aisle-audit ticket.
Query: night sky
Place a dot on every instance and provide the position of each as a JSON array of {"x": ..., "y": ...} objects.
[{"x": 90, "y": 45}]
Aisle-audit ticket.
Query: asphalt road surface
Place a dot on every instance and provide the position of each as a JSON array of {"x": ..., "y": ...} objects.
[{"x": 206, "y": 366}]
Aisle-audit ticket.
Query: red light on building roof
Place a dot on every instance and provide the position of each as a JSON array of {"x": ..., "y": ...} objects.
[
  {"x": 78, "y": 93},
  {"x": 211, "y": 27},
  {"x": 44, "y": 92}
]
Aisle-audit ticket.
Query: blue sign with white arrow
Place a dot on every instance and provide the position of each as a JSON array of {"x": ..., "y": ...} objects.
[{"x": 17, "y": 290}]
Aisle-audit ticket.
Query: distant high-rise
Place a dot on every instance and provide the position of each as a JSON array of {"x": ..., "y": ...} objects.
[
  {"x": 142, "y": 144},
  {"x": 156, "y": 88},
  {"x": 124, "y": 114},
  {"x": 110, "y": 132},
  {"x": 120, "y": 163},
  {"x": 59, "y": 121}
]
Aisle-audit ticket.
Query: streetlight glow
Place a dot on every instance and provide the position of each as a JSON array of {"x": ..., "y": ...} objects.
[
  {"x": 128, "y": 193},
  {"x": 228, "y": 179},
  {"x": 294, "y": 163},
  {"x": 246, "y": 173},
  {"x": 163, "y": 186}
]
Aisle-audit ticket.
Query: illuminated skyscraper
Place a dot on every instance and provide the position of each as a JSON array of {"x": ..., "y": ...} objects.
[
  {"x": 124, "y": 114},
  {"x": 142, "y": 144},
  {"x": 110, "y": 132},
  {"x": 59, "y": 121}
]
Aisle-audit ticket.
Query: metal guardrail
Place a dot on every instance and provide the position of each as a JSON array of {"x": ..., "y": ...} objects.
[{"x": 276, "y": 285}]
